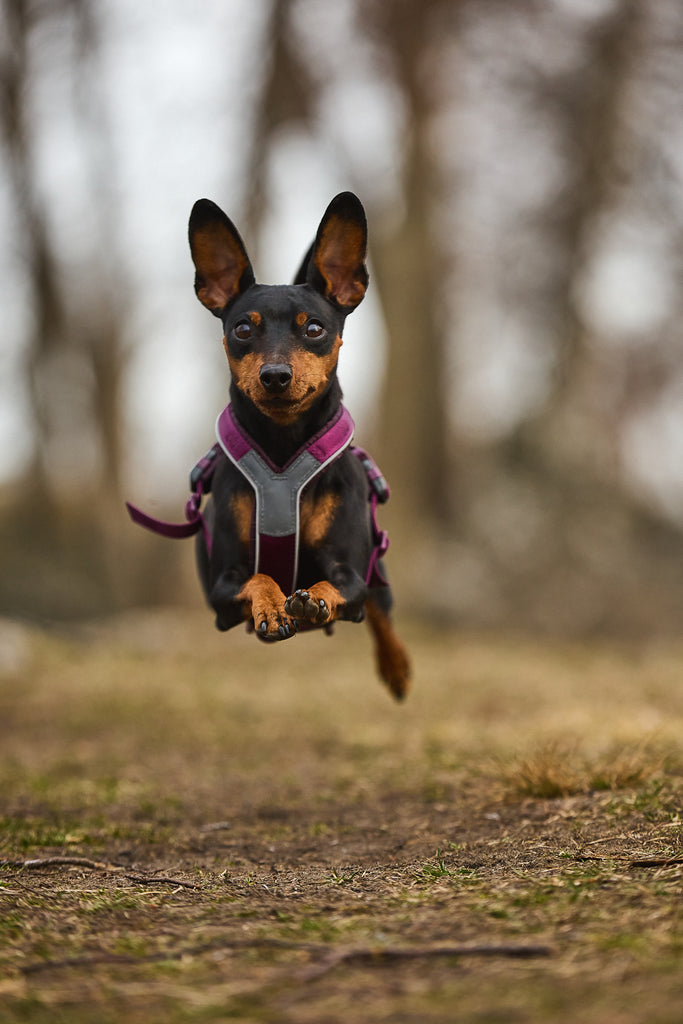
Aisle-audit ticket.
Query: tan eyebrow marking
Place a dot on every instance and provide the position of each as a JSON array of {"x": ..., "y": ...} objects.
[
  {"x": 255, "y": 318},
  {"x": 301, "y": 318}
]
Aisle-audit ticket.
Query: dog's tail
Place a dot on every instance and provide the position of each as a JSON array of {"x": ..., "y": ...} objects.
[{"x": 393, "y": 663}]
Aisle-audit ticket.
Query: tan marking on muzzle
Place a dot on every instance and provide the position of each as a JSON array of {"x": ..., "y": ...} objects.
[{"x": 310, "y": 375}]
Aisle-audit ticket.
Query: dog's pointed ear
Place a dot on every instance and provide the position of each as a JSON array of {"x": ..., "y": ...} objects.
[
  {"x": 335, "y": 265},
  {"x": 223, "y": 270}
]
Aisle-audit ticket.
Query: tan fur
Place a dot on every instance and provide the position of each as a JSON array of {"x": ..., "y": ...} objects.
[
  {"x": 242, "y": 507},
  {"x": 392, "y": 659},
  {"x": 317, "y": 517},
  {"x": 219, "y": 264},
  {"x": 339, "y": 255},
  {"x": 263, "y": 601}
]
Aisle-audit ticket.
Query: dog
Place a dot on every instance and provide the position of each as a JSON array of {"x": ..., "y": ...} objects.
[{"x": 289, "y": 538}]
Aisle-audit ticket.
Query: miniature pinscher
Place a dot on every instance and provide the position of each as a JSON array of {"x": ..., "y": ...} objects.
[{"x": 292, "y": 536}]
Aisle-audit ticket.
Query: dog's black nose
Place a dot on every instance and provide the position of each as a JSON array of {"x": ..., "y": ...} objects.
[{"x": 275, "y": 377}]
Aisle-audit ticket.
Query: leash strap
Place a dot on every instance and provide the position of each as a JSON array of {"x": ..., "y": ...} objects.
[{"x": 200, "y": 484}]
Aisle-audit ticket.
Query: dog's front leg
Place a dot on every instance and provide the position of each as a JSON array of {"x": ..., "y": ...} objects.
[
  {"x": 259, "y": 599},
  {"x": 264, "y": 603}
]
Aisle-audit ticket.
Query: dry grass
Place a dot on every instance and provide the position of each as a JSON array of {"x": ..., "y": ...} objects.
[
  {"x": 237, "y": 832},
  {"x": 556, "y": 769}
]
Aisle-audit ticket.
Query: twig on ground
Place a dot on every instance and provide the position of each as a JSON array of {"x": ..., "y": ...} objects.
[
  {"x": 96, "y": 865},
  {"x": 654, "y": 862},
  {"x": 52, "y": 862},
  {"x": 164, "y": 879},
  {"x": 373, "y": 957},
  {"x": 325, "y": 962},
  {"x": 103, "y": 957}
]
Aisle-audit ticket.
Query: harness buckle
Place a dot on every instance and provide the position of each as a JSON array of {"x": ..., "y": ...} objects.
[
  {"x": 203, "y": 471},
  {"x": 378, "y": 485}
]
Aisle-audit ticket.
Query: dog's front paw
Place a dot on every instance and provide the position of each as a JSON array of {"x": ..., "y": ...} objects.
[
  {"x": 316, "y": 606},
  {"x": 303, "y": 606}
]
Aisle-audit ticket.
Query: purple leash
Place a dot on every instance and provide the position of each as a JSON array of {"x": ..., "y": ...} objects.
[{"x": 200, "y": 483}]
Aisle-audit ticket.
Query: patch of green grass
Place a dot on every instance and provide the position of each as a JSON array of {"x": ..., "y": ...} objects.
[
  {"x": 316, "y": 927},
  {"x": 630, "y": 942},
  {"x": 319, "y": 828},
  {"x": 436, "y": 869},
  {"x": 11, "y": 926},
  {"x": 30, "y": 833},
  {"x": 341, "y": 877},
  {"x": 108, "y": 901},
  {"x": 657, "y": 799},
  {"x": 131, "y": 945},
  {"x": 534, "y": 896}
]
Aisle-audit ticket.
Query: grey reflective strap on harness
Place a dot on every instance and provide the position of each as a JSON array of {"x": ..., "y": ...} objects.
[{"x": 278, "y": 490}]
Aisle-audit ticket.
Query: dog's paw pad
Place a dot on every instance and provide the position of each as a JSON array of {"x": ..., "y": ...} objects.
[{"x": 301, "y": 605}]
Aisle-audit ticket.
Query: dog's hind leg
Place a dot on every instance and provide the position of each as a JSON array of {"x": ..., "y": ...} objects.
[{"x": 393, "y": 663}]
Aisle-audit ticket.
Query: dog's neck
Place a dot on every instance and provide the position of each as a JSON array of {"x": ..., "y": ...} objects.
[{"x": 278, "y": 441}]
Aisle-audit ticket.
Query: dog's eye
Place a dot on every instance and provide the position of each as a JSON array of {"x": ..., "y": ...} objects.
[
  {"x": 242, "y": 331},
  {"x": 315, "y": 331}
]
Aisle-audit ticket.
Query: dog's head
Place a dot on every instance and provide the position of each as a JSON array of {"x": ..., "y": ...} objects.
[{"x": 282, "y": 341}]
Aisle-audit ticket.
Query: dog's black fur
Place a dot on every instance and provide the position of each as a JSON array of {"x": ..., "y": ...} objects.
[{"x": 282, "y": 343}]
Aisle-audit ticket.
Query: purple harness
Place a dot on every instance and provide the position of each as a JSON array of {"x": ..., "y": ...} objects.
[{"x": 277, "y": 492}]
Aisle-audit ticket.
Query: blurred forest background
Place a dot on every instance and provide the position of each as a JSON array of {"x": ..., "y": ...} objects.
[{"x": 517, "y": 368}]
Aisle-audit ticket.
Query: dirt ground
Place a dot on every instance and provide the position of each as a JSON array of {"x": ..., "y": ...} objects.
[{"x": 201, "y": 828}]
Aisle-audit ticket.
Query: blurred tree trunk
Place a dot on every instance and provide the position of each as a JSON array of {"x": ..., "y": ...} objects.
[
  {"x": 590, "y": 109},
  {"x": 410, "y": 264},
  {"x": 63, "y": 548},
  {"x": 48, "y": 322},
  {"x": 561, "y": 544},
  {"x": 102, "y": 330},
  {"x": 287, "y": 97}
]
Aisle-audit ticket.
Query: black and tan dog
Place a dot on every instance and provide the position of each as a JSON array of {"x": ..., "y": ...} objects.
[{"x": 290, "y": 539}]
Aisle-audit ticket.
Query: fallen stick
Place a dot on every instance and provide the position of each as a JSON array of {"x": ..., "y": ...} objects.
[
  {"x": 326, "y": 962},
  {"x": 49, "y": 862},
  {"x": 654, "y": 862},
  {"x": 95, "y": 865},
  {"x": 163, "y": 879},
  {"x": 373, "y": 957}
]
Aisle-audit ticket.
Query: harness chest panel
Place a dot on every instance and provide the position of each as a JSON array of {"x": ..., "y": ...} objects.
[{"x": 278, "y": 490}]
